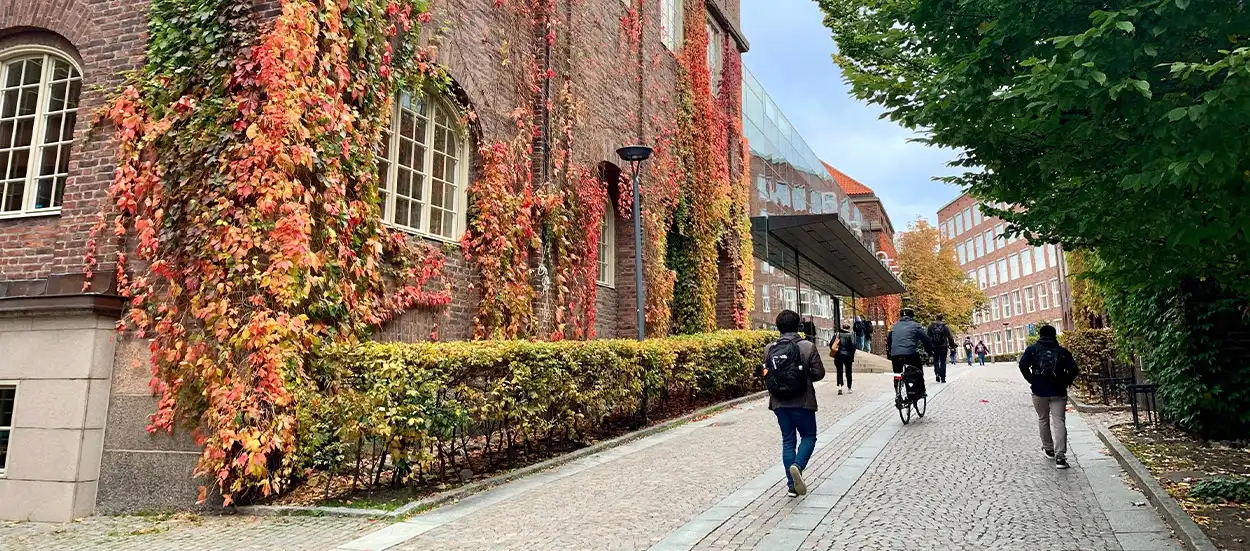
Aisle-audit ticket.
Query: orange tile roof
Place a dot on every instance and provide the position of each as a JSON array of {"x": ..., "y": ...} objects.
[{"x": 848, "y": 184}]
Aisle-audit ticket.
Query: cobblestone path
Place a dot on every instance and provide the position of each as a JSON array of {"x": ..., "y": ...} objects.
[{"x": 970, "y": 475}]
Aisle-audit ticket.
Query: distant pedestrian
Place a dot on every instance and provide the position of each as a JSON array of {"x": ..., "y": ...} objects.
[
  {"x": 842, "y": 348},
  {"x": 943, "y": 342},
  {"x": 968, "y": 348},
  {"x": 981, "y": 350},
  {"x": 867, "y": 337},
  {"x": 857, "y": 327},
  {"x": 1050, "y": 369},
  {"x": 790, "y": 367},
  {"x": 954, "y": 352},
  {"x": 809, "y": 330}
]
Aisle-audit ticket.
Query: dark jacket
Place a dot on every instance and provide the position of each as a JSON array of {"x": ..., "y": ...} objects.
[
  {"x": 847, "y": 348},
  {"x": 858, "y": 327},
  {"x": 809, "y": 331},
  {"x": 981, "y": 349},
  {"x": 940, "y": 336},
  {"x": 815, "y": 372},
  {"x": 1045, "y": 388},
  {"x": 867, "y": 328},
  {"x": 906, "y": 338},
  {"x": 968, "y": 345}
]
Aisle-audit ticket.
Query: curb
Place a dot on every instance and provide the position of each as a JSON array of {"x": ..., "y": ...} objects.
[
  {"x": 1086, "y": 408},
  {"x": 1184, "y": 527},
  {"x": 475, "y": 487}
]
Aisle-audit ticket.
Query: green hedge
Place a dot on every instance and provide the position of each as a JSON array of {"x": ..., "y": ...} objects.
[{"x": 421, "y": 407}]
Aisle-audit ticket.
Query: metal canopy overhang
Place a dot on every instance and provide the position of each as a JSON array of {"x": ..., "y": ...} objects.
[{"x": 819, "y": 250}]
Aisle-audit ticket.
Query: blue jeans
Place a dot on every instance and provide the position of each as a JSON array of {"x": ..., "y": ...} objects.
[
  {"x": 793, "y": 420},
  {"x": 939, "y": 365},
  {"x": 981, "y": 358}
]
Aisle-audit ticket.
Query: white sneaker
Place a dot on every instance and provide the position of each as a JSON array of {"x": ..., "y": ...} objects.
[
  {"x": 799, "y": 486},
  {"x": 849, "y": 391}
]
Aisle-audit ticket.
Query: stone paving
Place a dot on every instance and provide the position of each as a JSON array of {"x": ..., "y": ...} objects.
[{"x": 970, "y": 475}]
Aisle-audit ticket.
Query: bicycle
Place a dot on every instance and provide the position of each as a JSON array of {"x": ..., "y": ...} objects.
[{"x": 904, "y": 402}]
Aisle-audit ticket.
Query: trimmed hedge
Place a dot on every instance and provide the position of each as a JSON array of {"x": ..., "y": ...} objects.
[{"x": 416, "y": 407}]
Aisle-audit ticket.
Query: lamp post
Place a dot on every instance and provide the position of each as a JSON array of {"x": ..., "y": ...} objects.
[{"x": 635, "y": 155}]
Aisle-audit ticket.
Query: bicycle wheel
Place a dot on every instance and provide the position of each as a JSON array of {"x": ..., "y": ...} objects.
[
  {"x": 904, "y": 408},
  {"x": 921, "y": 405}
]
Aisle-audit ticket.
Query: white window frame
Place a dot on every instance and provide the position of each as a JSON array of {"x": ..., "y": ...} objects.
[
  {"x": 982, "y": 277},
  {"x": 1026, "y": 263},
  {"x": 1052, "y": 255},
  {"x": 1039, "y": 258},
  {"x": 1054, "y": 290},
  {"x": 993, "y": 273},
  {"x": 1017, "y": 302},
  {"x": 460, "y": 208},
  {"x": 1030, "y": 301},
  {"x": 671, "y": 12},
  {"x": 968, "y": 218},
  {"x": 715, "y": 55},
  {"x": 1043, "y": 297},
  {"x": 8, "y": 428},
  {"x": 976, "y": 215},
  {"x": 34, "y": 159},
  {"x": 767, "y": 296},
  {"x": 959, "y": 250},
  {"x": 989, "y": 241},
  {"x": 959, "y": 225},
  {"x": 790, "y": 295},
  {"x": 1005, "y": 300},
  {"x": 998, "y": 232},
  {"x": 998, "y": 342},
  {"x": 1013, "y": 265},
  {"x": 980, "y": 244},
  {"x": 971, "y": 251},
  {"x": 607, "y": 248},
  {"x": 1003, "y": 275},
  {"x": 994, "y": 312}
]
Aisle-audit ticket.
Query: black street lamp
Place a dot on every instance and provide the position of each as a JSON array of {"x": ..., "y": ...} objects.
[{"x": 635, "y": 155}]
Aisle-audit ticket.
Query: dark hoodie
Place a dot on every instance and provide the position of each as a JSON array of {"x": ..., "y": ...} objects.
[{"x": 1045, "y": 388}]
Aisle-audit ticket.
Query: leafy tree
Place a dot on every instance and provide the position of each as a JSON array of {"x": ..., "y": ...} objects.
[
  {"x": 1118, "y": 126},
  {"x": 935, "y": 284}
]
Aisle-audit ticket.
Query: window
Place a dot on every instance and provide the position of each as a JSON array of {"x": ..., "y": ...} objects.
[
  {"x": 993, "y": 275},
  {"x": 8, "y": 396},
  {"x": 982, "y": 277},
  {"x": 789, "y": 298},
  {"x": 989, "y": 241},
  {"x": 1052, "y": 253},
  {"x": 1014, "y": 264},
  {"x": 959, "y": 251},
  {"x": 972, "y": 276},
  {"x": 761, "y": 185},
  {"x": 800, "y": 198},
  {"x": 998, "y": 231},
  {"x": 38, "y": 108},
  {"x": 1005, "y": 300},
  {"x": 1039, "y": 258},
  {"x": 994, "y": 308},
  {"x": 1016, "y": 303},
  {"x": 1030, "y": 303},
  {"x": 1002, "y": 271},
  {"x": 670, "y": 23},
  {"x": 959, "y": 225},
  {"x": 781, "y": 194},
  {"x": 805, "y": 302},
  {"x": 1026, "y": 262},
  {"x": 831, "y": 202},
  {"x": 976, "y": 215},
  {"x": 816, "y": 202},
  {"x": 1011, "y": 343},
  {"x": 423, "y": 169},
  {"x": 971, "y": 251},
  {"x": 980, "y": 246},
  {"x": 607, "y": 248},
  {"x": 942, "y": 229},
  {"x": 767, "y": 297},
  {"x": 998, "y": 342},
  {"x": 1020, "y": 331},
  {"x": 715, "y": 41},
  {"x": 1043, "y": 297},
  {"x": 968, "y": 218},
  {"x": 976, "y": 317},
  {"x": 1054, "y": 290}
]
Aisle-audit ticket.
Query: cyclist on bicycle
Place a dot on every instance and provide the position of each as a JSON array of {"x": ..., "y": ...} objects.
[{"x": 905, "y": 341}]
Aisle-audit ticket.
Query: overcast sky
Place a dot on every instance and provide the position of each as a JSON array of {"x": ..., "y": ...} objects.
[{"x": 790, "y": 54}]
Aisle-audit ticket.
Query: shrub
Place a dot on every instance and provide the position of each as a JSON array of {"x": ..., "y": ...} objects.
[
  {"x": 1221, "y": 489},
  {"x": 428, "y": 405}
]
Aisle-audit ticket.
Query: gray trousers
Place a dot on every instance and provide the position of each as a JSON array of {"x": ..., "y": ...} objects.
[{"x": 1051, "y": 423}]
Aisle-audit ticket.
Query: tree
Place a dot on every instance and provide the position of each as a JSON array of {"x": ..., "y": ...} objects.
[
  {"x": 935, "y": 284},
  {"x": 1119, "y": 127}
]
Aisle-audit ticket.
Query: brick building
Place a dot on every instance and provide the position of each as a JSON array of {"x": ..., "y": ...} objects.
[
  {"x": 74, "y": 398},
  {"x": 1025, "y": 284}
]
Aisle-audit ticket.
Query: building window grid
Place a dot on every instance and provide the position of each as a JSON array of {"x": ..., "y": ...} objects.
[
  {"x": 993, "y": 274},
  {"x": 1016, "y": 302},
  {"x": 1013, "y": 263},
  {"x": 989, "y": 241},
  {"x": 994, "y": 313},
  {"x": 1030, "y": 302},
  {"x": 8, "y": 399},
  {"x": 607, "y": 248},
  {"x": 959, "y": 225},
  {"x": 1043, "y": 297},
  {"x": 422, "y": 170},
  {"x": 38, "y": 109},
  {"x": 982, "y": 277},
  {"x": 1039, "y": 258},
  {"x": 715, "y": 41},
  {"x": 976, "y": 215},
  {"x": 971, "y": 251},
  {"x": 1005, "y": 300},
  {"x": 968, "y": 218},
  {"x": 670, "y": 23},
  {"x": 1026, "y": 263},
  {"x": 767, "y": 296},
  {"x": 980, "y": 244},
  {"x": 1002, "y": 271},
  {"x": 998, "y": 342}
]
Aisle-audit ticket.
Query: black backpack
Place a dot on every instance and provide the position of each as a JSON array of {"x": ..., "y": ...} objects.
[
  {"x": 1046, "y": 363},
  {"x": 784, "y": 375}
]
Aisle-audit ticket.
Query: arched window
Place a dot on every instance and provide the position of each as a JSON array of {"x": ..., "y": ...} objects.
[
  {"x": 39, "y": 90},
  {"x": 607, "y": 247},
  {"x": 423, "y": 169}
]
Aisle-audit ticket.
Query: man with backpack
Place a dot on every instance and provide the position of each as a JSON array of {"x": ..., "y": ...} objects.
[
  {"x": 842, "y": 348},
  {"x": 904, "y": 342},
  {"x": 1050, "y": 369},
  {"x": 857, "y": 327},
  {"x": 943, "y": 341},
  {"x": 790, "y": 367},
  {"x": 968, "y": 348}
]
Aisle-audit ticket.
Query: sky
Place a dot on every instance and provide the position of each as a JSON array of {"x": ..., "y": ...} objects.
[{"x": 791, "y": 55}]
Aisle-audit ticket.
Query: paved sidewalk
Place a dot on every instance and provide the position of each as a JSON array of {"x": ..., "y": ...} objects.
[{"x": 970, "y": 475}]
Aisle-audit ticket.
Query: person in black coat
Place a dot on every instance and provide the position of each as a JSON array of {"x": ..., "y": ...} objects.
[
  {"x": 943, "y": 341},
  {"x": 1050, "y": 369}
]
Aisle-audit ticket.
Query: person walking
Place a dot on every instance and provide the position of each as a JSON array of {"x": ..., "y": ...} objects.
[
  {"x": 867, "y": 336},
  {"x": 809, "y": 330},
  {"x": 981, "y": 350},
  {"x": 968, "y": 348},
  {"x": 842, "y": 348},
  {"x": 943, "y": 342},
  {"x": 791, "y": 365},
  {"x": 1050, "y": 369},
  {"x": 857, "y": 327},
  {"x": 954, "y": 352}
]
